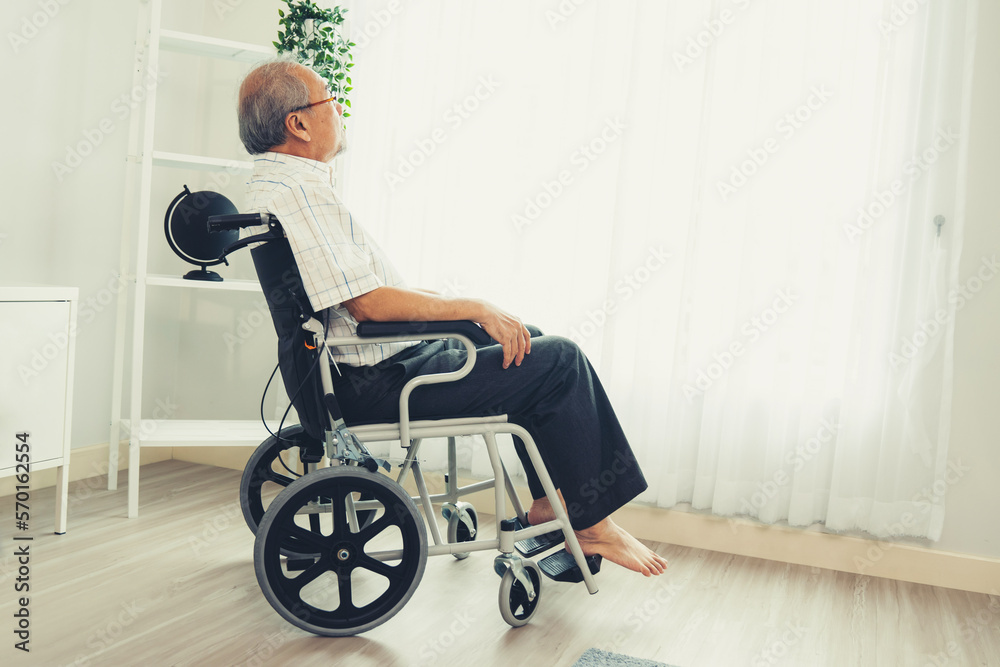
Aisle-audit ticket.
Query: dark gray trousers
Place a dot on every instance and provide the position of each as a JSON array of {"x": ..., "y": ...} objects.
[{"x": 554, "y": 394}]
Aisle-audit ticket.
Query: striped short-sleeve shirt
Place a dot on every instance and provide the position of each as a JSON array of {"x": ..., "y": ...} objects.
[{"x": 336, "y": 257}]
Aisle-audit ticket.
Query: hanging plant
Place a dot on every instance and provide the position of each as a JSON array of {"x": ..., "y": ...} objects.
[{"x": 313, "y": 36}]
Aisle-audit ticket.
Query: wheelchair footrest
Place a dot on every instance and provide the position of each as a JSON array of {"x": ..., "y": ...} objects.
[
  {"x": 560, "y": 566},
  {"x": 537, "y": 544},
  {"x": 299, "y": 564}
]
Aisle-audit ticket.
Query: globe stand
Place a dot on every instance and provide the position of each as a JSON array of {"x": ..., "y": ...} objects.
[{"x": 203, "y": 274}]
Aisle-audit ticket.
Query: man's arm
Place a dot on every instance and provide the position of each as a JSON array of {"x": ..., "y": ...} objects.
[{"x": 395, "y": 304}]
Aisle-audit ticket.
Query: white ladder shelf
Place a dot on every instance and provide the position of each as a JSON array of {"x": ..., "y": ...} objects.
[{"x": 150, "y": 39}]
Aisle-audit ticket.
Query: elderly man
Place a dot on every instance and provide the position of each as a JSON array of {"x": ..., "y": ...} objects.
[{"x": 288, "y": 118}]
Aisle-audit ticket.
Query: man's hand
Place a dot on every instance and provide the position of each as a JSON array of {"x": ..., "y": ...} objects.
[
  {"x": 507, "y": 330},
  {"x": 395, "y": 304}
]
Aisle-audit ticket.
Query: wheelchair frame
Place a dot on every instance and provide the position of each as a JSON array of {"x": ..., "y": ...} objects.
[{"x": 344, "y": 446}]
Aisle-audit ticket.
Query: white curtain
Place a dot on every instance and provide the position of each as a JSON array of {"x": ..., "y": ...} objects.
[{"x": 730, "y": 205}]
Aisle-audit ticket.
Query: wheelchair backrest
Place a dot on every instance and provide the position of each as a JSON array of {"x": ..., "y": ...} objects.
[{"x": 289, "y": 306}]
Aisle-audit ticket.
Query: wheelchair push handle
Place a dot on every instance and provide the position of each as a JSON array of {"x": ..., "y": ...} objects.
[
  {"x": 221, "y": 223},
  {"x": 225, "y": 223}
]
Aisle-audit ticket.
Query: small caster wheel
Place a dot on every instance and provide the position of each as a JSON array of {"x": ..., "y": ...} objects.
[
  {"x": 463, "y": 524},
  {"x": 515, "y": 607}
]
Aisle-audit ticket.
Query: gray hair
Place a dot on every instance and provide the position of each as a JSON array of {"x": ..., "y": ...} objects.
[{"x": 268, "y": 93}]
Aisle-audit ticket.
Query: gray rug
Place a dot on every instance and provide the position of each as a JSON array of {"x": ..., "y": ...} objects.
[{"x": 593, "y": 657}]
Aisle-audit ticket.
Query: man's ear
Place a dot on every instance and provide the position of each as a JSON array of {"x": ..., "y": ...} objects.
[{"x": 296, "y": 124}]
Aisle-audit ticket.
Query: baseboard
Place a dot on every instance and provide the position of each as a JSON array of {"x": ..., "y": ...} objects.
[
  {"x": 741, "y": 537},
  {"x": 87, "y": 463},
  {"x": 887, "y": 559},
  {"x": 234, "y": 458}
]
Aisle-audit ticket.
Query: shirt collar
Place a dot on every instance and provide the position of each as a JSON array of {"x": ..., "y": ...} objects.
[{"x": 296, "y": 163}]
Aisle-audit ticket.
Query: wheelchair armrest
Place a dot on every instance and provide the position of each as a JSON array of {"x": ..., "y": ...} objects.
[{"x": 417, "y": 329}]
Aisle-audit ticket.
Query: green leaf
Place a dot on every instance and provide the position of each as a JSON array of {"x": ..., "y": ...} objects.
[
  {"x": 281, "y": 13},
  {"x": 348, "y": 103}
]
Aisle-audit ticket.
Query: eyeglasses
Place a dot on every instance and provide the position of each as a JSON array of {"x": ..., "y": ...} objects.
[{"x": 329, "y": 99}]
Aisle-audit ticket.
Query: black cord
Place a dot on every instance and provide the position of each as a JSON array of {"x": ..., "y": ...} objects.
[
  {"x": 264, "y": 421},
  {"x": 263, "y": 396},
  {"x": 287, "y": 410}
]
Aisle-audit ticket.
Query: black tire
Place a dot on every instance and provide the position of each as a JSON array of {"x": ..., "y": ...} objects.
[
  {"x": 341, "y": 558},
  {"x": 264, "y": 476}
]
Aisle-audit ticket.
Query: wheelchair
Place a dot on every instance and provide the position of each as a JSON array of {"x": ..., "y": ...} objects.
[{"x": 342, "y": 546}]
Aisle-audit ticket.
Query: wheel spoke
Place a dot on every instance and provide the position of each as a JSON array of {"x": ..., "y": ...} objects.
[
  {"x": 312, "y": 539},
  {"x": 277, "y": 478},
  {"x": 338, "y": 511},
  {"x": 308, "y": 576},
  {"x": 390, "y": 572},
  {"x": 365, "y": 535},
  {"x": 345, "y": 591}
]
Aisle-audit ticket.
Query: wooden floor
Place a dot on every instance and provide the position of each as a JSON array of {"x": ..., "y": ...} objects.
[{"x": 176, "y": 586}]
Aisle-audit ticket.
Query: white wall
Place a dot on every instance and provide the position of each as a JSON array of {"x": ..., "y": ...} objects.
[
  {"x": 62, "y": 83},
  {"x": 970, "y": 522}
]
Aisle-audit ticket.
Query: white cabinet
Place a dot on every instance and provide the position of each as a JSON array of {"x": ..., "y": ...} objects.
[{"x": 37, "y": 343}]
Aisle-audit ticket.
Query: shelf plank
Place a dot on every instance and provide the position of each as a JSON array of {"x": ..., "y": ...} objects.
[
  {"x": 199, "y": 162},
  {"x": 229, "y": 284},
  {"x": 200, "y": 45},
  {"x": 203, "y": 433}
]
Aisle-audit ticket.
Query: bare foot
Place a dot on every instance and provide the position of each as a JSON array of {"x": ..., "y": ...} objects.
[
  {"x": 612, "y": 542},
  {"x": 541, "y": 510}
]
